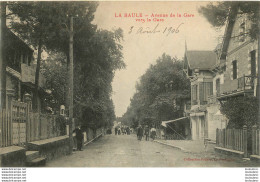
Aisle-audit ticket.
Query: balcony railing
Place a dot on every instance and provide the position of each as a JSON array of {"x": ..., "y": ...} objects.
[{"x": 241, "y": 84}]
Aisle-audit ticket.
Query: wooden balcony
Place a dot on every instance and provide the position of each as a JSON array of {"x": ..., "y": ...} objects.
[
  {"x": 242, "y": 85},
  {"x": 28, "y": 75}
]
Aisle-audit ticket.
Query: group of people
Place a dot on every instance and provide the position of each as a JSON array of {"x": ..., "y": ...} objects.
[
  {"x": 124, "y": 130},
  {"x": 145, "y": 132}
]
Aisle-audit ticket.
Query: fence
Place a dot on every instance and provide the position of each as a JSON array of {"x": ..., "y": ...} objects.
[
  {"x": 43, "y": 126},
  {"x": 234, "y": 139},
  {"x": 5, "y": 128},
  {"x": 18, "y": 125},
  {"x": 173, "y": 137},
  {"x": 18, "y": 119},
  {"x": 255, "y": 141}
]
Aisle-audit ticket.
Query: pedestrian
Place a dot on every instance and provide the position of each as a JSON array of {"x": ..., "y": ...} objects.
[
  {"x": 119, "y": 131},
  {"x": 79, "y": 138},
  {"x": 128, "y": 130},
  {"x": 153, "y": 133},
  {"x": 123, "y": 130},
  {"x": 139, "y": 132},
  {"x": 146, "y": 133},
  {"x": 115, "y": 130}
]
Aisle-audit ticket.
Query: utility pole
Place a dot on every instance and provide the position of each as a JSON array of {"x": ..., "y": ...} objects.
[
  {"x": 2, "y": 55},
  {"x": 71, "y": 85},
  {"x": 258, "y": 61}
]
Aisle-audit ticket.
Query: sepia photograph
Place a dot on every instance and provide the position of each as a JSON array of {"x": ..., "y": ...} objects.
[{"x": 129, "y": 84}]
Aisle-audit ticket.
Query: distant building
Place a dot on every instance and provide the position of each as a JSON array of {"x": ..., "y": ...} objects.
[{"x": 179, "y": 126}]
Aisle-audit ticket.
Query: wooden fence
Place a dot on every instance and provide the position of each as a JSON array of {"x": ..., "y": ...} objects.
[
  {"x": 255, "y": 141},
  {"x": 42, "y": 126},
  {"x": 234, "y": 139},
  {"x": 18, "y": 125},
  {"x": 5, "y": 128}
]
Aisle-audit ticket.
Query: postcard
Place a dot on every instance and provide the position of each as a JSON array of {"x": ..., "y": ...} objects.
[{"x": 89, "y": 84}]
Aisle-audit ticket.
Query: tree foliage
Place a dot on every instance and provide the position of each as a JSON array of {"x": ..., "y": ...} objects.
[
  {"x": 158, "y": 87},
  {"x": 55, "y": 72},
  {"x": 97, "y": 54},
  {"x": 241, "y": 111},
  {"x": 217, "y": 13},
  {"x": 42, "y": 25}
]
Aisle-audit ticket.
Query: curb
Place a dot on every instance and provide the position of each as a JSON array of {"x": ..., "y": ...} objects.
[
  {"x": 85, "y": 144},
  {"x": 178, "y": 148}
]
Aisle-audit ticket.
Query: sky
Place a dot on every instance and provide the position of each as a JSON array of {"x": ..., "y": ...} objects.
[{"x": 148, "y": 40}]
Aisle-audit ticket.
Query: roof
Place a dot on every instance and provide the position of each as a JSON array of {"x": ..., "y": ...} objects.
[
  {"x": 228, "y": 32},
  {"x": 201, "y": 59},
  {"x": 15, "y": 41}
]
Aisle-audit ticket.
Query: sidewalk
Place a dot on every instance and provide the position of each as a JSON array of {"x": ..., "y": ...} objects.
[{"x": 189, "y": 146}]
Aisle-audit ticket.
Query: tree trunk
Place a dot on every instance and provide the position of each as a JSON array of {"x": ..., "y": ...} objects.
[
  {"x": 2, "y": 55},
  {"x": 67, "y": 99},
  {"x": 37, "y": 75}
]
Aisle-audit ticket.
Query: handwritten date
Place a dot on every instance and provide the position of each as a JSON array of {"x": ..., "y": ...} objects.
[{"x": 154, "y": 30}]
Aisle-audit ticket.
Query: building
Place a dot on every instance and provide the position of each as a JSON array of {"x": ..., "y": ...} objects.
[
  {"x": 235, "y": 74},
  {"x": 238, "y": 58},
  {"x": 20, "y": 72},
  {"x": 197, "y": 66}
]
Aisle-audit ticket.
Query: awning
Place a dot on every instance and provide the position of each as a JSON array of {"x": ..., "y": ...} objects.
[
  {"x": 218, "y": 113},
  {"x": 170, "y": 121}
]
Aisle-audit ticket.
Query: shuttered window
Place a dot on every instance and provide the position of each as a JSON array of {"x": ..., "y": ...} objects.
[
  {"x": 194, "y": 94},
  {"x": 206, "y": 89},
  {"x": 253, "y": 63},
  {"x": 234, "y": 69}
]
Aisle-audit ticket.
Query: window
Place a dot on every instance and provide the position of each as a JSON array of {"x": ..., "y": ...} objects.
[
  {"x": 242, "y": 32},
  {"x": 234, "y": 63},
  {"x": 206, "y": 89},
  {"x": 218, "y": 86},
  {"x": 253, "y": 63},
  {"x": 194, "y": 94}
]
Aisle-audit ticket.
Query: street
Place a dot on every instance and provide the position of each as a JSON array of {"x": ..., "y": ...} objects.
[{"x": 127, "y": 151}]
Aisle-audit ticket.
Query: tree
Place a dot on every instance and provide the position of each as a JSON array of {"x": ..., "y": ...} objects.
[
  {"x": 54, "y": 70},
  {"x": 96, "y": 63},
  {"x": 153, "y": 101},
  {"x": 241, "y": 111},
  {"x": 40, "y": 23},
  {"x": 97, "y": 54},
  {"x": 217, "y": 13}
]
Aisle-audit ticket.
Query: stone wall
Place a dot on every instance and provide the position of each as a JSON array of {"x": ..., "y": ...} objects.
[
  {"x": 51, "y": 148},
  {"x": 12, "y": 156}
]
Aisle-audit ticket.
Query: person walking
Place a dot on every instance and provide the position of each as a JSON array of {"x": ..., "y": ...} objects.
[
  {"x": 146, "y": 133},
  {"x": 115, "y": 130},
  {"x": 119, "y": 131},
  {"x": 139, "y": 132},
  {"x": 153, "y": 133},
  {"x": 79, "y": 138}
]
